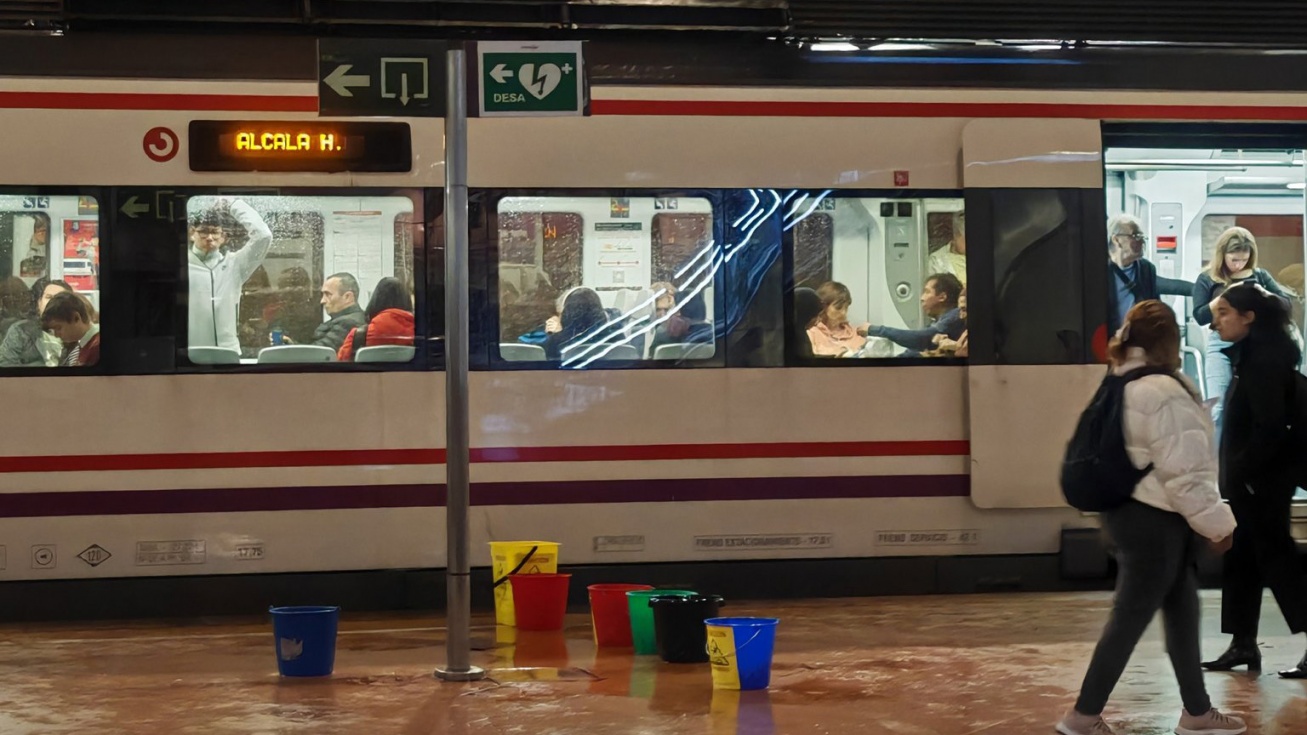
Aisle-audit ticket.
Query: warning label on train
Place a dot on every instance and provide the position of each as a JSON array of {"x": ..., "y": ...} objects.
[
  {"x": 952, "y": 537},
  {"x": 619, "y": 543},
  {"x": 165, "y": 553},
  {"x": 765, "y": 542}
]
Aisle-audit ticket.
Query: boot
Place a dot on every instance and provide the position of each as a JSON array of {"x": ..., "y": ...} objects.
[
  {"x": 1242, "y": 652},
  {"x": 1297, "y": 672}
]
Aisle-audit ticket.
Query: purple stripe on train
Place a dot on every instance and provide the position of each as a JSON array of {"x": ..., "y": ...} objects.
[{"x": 346, "y": 497}]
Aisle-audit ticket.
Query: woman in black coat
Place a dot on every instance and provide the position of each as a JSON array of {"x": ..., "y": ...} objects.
[{"x": 1256, "y": 477}]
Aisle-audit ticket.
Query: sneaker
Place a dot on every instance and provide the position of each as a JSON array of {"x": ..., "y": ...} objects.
[
  {"x": 1077, "y": 724},
  {"x": 1214, "y": 722}
]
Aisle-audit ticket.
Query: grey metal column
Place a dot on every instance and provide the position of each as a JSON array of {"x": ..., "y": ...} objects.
[{"x": 458, "y": 646}]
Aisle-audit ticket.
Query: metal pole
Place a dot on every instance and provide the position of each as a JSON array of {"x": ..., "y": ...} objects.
[{"x": 458, "y": 646}]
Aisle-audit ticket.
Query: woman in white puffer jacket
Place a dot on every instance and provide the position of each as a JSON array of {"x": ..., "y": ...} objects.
[{"x": 1156, "y": 532}]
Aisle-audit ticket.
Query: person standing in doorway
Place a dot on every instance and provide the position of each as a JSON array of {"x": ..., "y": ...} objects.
[
  {"x": 1132, "y": 277},
  {"x": 1235, "y": 261}
]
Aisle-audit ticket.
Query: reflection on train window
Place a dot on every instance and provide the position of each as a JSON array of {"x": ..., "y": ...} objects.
[
  {"x": 867, "y": 284},
  {"x": 49, "y": 245},
  {"x": 299, "y": 279},
  {"x": 814, "y": 241},
  {"x": 587, "y": 279}
]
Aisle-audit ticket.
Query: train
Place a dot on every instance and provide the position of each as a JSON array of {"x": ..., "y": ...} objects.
[{"x": 739, "y": 455}]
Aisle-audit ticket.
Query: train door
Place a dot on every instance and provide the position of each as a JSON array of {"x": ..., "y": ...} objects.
[
  {"x": 1036, "y": 280},
  {"x": 1195, "y": 187}
]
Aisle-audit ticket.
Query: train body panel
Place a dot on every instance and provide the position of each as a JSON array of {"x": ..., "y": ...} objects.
[{"x": 183, "y": 474}]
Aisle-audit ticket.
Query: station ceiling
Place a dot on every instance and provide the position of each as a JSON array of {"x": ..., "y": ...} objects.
[{"x": 1247, "y": 23}]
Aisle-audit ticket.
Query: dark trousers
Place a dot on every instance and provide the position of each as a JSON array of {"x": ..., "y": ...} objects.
[
  {"x": 1264, "y": 554},
  {"x": 1156, "y": 559}
]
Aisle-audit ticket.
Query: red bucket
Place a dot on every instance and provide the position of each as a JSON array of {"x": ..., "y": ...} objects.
[
  {"x": 540, "y": 600},
  {"x": 611, "y": 613}
]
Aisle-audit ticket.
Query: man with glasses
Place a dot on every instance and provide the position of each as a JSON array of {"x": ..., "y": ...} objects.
[
  {"x": 217, "y": 272},
  {"x": 1132, "y": 277}
]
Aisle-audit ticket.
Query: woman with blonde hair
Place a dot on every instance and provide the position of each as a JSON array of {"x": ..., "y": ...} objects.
[
  {"x": 1156, "y": 531},
  {"x": 1234, "y": 261}
]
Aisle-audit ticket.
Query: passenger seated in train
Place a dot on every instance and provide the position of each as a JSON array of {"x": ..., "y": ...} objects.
[
  {"x": 832, "y": 335},
  {"x": 807, "y": 308},
  {"x": 1132, "y": 277},
  {"x": 26, "y": 344},
  {"x": 68, "y": 318},
  {"x": 952, "y": 259},
  {"x": 582, "y": 315},
  {"x": 339, "y": 300},
  {"x": 215, "y": 275},
  {"x": 390, "y": 320},
  {"x": 946, "y": 347},
  {"x": 665, "y": 301},
  {"x": 689, "y": 324},
  {"x": 15, "y": 302},
  {"x": 940, "y": 299},
  {"x": 297, "y": 309}
]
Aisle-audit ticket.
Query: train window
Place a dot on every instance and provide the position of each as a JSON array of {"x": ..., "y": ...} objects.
[
  {"x": 299, "y": 279},
  {"x": 586, "y": 279},
  {"x": 49, "y": 245},
  {"x": 879, "y": 278}
]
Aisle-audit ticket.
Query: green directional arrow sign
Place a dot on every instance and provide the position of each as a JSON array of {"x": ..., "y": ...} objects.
[{"x": 531, "y": 79}]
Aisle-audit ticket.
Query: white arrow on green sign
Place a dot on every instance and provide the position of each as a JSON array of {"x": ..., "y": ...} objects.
[{"x": 531, "y": 79}]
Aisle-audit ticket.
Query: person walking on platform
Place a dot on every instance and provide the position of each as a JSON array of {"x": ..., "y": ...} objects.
[
  {"x": 1257, "y": 460},
  {"x": 1165, "y": 427}
]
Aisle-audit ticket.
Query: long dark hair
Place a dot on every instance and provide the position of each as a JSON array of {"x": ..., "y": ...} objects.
[
  {"x": 390, "y": 293},
  {"x": 38, "y": 290},
  {"x": 1271, "y": 323}
]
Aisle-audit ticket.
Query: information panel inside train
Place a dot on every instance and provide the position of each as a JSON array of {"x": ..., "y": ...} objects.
[{"x": 312, "y": 146}]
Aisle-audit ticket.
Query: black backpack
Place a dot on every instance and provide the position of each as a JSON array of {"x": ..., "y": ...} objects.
[{"x": 1097, "y": 473}]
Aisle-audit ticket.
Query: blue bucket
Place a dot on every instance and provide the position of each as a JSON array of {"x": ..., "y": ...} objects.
[
  {"x": 740, "y": 651},
  {"x": 305, "y": 638}
]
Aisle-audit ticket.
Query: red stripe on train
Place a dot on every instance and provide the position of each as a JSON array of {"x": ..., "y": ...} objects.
[
  {"x": 710, "y": 108},
  {"x": 152, "y": 101},
  {"x": 368, "y": 457},
  {"x": 272, "y": 499},
  {"x": 752, "y": 108}
]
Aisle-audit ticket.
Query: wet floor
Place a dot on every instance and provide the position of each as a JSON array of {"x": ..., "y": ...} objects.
[{"x": 954, "y": 665}]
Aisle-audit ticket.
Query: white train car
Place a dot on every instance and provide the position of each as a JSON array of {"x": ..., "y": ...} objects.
[{"x": 904, "y": 473}]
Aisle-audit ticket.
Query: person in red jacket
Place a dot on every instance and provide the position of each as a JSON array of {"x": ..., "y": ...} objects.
[
  {"x": 390, "y": 320},
  {"x": 68, "y": 317}
]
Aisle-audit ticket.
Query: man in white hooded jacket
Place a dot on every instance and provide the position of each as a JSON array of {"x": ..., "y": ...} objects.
[
  {"x": 216, "y": 277},
  {"x": 1156, "y": 532}
]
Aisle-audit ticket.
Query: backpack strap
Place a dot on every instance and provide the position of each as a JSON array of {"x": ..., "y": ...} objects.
[{"x": 1143, "y": 372}]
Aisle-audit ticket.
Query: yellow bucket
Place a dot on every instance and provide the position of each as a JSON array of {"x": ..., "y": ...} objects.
[{"x": 518, "y": 557}]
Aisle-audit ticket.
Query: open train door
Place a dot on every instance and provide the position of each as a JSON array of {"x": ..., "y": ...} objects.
[{"x": 1037, "y": 269}]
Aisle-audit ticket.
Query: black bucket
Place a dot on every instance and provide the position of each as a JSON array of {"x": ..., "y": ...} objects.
[{"x": 678, "y": 626}]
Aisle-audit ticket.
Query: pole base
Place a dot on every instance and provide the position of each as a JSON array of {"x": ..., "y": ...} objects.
[{"x": 473, "y": 673}]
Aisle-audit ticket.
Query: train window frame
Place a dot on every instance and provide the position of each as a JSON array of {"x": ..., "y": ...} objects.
[
  {"x": 485, "y": 314},
  {"x": 104, "y": 231},
  {"x": 792, "y": 358},
  {"x": 427, "y": 332}
]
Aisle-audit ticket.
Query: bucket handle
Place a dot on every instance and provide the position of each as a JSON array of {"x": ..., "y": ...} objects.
[{"x": 517, "y": 568}]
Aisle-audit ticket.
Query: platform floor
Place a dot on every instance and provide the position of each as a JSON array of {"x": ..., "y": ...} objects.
[{"x": 955, "y": 665}]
